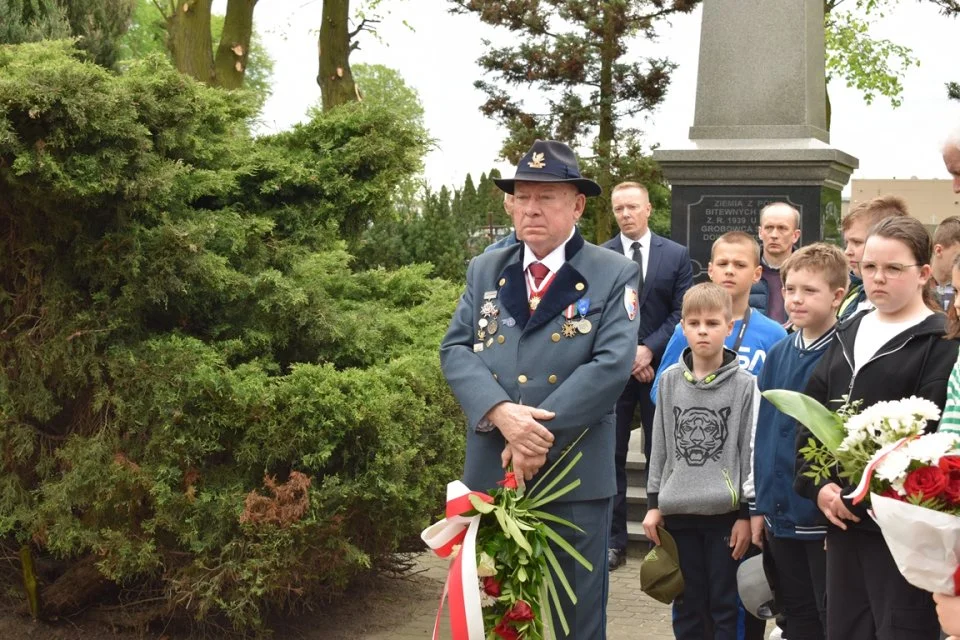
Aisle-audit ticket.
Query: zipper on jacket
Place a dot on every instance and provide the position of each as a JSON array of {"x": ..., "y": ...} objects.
[{"x": 876, "y": 356}]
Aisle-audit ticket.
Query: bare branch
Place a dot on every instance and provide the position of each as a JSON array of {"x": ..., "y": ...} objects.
[
  {"x": 363, "y": 27},
  {"x": 156, "y": 3}
]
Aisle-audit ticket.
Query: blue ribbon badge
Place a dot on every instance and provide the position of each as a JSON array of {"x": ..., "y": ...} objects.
[{"x": 583, "y": 305}]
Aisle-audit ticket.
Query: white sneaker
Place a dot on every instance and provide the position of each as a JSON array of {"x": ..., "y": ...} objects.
[{"x": 776, "y": 634}]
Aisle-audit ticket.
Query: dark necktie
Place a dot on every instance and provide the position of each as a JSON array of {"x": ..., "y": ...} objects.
[{"x": 638, "y": 258}]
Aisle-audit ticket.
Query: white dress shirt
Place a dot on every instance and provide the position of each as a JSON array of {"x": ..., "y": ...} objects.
[
  {"x": 553, "y": 260},
  {"x": 644, "y": 249}
]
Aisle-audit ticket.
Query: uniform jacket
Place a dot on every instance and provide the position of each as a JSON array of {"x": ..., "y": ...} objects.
[
  {"x": 669, "y": 277},
  {"x": 916, "y": 362},
  {"x": 528, "y": 360}
]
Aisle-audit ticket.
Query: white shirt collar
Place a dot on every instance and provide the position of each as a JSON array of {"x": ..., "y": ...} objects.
[
  {"x": 553, "y": 260},
  {"x": 628, "y": 243}
]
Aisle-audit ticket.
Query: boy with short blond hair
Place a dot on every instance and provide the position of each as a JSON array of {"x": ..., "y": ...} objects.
[
  {"x": 791, "y": 527},
  {"x": 700, "y": 463},
  {"x": 855, "y": 226},
  {"x": 735, "y": 266}
]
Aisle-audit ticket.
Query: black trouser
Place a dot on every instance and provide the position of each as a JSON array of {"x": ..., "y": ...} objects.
[
  {"x": 709, "y": 597},
  {"x": 867, "y": 597},
  {"x": 634, "y": 393},
  {"x": 800, "y": 585}
]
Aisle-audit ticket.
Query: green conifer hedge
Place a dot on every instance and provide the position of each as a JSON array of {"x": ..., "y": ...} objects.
[{"x": 180, "y": 327}]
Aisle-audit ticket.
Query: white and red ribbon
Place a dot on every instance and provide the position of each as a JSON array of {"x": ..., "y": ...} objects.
[
  {"x": 462, "y": 584},
  {"x": 863, "y": 488}
]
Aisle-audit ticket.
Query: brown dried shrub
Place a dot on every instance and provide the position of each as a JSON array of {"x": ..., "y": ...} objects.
[{"x": 289, "y": 502}]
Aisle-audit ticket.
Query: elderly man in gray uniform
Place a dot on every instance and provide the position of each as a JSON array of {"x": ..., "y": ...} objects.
[{"x": 538, "y": 350}]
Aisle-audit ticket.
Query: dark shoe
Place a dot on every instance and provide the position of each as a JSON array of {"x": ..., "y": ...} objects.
[{"x": 616, "y": 558}]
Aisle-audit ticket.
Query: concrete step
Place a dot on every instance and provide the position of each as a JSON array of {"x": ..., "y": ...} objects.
[
  {"x": 636, "y": 504},
  {"x": 636, "y": 470},
  {"x": 637, "y": 543}
]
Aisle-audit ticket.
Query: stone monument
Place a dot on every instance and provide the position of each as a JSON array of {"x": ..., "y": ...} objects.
[{"x": 759, "y": 133}]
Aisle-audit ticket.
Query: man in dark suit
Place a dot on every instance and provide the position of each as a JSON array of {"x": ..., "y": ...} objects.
[
  {"x": 665, "y": 275},
  {"x": 537, "y": 352}
]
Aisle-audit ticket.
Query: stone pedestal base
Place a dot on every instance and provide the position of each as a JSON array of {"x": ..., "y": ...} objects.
[{"x": 721, "y": 185}]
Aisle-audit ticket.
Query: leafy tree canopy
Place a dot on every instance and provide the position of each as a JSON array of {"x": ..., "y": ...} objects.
[{"x": 575, "y": 56}]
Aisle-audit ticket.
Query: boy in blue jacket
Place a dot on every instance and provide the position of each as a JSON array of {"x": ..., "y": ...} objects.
[
  {"x": 789, "y": 526},
  {"x": 735, "y": 266}
]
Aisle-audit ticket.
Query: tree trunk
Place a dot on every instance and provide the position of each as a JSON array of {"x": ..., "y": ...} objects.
[
  {"x": 189, "y": 40},
  {"x": 604, "y": 142},
  {"x": 334, "y": 77},
  {"x": 234, "y": 48}
]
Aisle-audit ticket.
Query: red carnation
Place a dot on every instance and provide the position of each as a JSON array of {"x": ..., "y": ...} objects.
[
  {"x": 952, "y": 490},
  {"x": 491, "y": 587},
  {"x": 505, "y": 631},
  {"x": 925, "y": 482},
  {"x": 521, "y": 612},
  {"x": 949, "y": 463},
  {"x": 509, "y": 480}
]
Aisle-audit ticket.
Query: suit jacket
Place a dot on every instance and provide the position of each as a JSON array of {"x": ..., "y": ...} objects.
[
  {"x": 668, "y": 277},
  {"x": 528, "y": 360}
]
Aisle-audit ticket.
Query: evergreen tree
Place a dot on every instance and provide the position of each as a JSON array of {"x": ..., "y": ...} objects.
[
  {"x": 574, "y": 53},
  {"x": 98, "y": 24},
  {"x": 181, "y": 319},
  {"x": 469, "y": 204},
  {"x": 32, "y": 20}
]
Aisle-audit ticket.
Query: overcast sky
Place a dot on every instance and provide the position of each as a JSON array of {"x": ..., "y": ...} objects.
[{"x": 438, "y": 58}]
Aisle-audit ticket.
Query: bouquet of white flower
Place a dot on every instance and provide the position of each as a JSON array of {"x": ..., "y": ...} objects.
[{"x": 848, "y": 439}]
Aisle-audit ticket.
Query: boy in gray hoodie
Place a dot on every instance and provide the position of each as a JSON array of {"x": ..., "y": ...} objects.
[{"x": 700, "y": 463}]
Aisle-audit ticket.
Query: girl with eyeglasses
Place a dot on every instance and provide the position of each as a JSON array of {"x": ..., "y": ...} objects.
[{"x": 896, "y": 351}]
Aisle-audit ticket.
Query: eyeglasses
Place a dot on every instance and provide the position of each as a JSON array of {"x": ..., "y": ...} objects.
[{"x": 890, "y": 271}]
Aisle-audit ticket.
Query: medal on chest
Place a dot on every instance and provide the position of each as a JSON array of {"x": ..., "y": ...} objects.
[{"x": 537, "y": 292}]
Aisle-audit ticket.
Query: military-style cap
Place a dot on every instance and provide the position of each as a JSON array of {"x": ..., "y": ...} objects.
[
  {"x": 550, "y": 161},
  {"x": 754, "y": 589},
  {"x": 660, "y": 576}
]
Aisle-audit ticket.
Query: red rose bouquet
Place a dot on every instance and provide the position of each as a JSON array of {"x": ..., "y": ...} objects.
[
  {"x": 504, "y": 575},
  {"x": 849, "y": 439},
  {"x": 915, "y": 498}
]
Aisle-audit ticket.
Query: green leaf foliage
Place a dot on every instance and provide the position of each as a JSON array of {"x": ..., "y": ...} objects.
[
  {"x": 822, "y": 423},
  {"x": 180, "y": 319}
]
